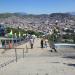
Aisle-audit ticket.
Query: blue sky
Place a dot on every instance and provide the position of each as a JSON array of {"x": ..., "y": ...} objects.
[{"x": 37, "y": 6}]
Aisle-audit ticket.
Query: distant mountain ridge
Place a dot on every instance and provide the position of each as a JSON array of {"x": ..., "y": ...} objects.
[
  {"x": 72, "y": 13},
  {"x": 57, "y": 16},
  {"x": 24, "y": 14}
]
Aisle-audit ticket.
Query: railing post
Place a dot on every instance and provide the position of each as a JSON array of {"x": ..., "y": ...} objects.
[
  {"x": 46, "y": 74},
  {"x": 23, "y": 53},
  {"x": 26, "y": 49},
  {"x": 16, "y": 54},
  {"x": 37, "y": 74}
]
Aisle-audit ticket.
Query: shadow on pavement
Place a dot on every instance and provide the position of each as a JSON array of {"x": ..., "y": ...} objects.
[
  {"x": 55, "y": 62},
  {"x": 71, "y": 65},
  {"x": 71, "y": 57}
]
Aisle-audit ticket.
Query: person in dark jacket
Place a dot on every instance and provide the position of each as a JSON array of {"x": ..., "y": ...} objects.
[{"x": 41, "y": 43}]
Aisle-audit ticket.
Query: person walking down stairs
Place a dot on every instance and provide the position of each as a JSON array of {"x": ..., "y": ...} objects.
[{"x": 31, "y": 42}]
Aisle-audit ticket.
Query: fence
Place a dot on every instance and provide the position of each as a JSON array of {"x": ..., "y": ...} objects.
[{"x": 8, "y": 55}]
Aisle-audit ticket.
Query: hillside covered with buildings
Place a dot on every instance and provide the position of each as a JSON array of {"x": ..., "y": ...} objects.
[{"x": 43, "y": 22}]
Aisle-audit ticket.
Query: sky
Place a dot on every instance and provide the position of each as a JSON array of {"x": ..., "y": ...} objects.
[{"x": 37, "y": 6}]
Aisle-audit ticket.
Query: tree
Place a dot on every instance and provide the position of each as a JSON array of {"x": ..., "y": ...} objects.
[{"x": 73, "y": 38}]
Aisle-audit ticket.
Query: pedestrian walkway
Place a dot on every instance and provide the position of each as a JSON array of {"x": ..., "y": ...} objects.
[
  {"x": 37, "y": 50},
  {"x": 38, "y": 61}
]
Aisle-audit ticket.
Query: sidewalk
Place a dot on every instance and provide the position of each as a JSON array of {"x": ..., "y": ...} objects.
[
  {"x": 37, "y": 50},
  {"x": 40, "y": 62}
]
